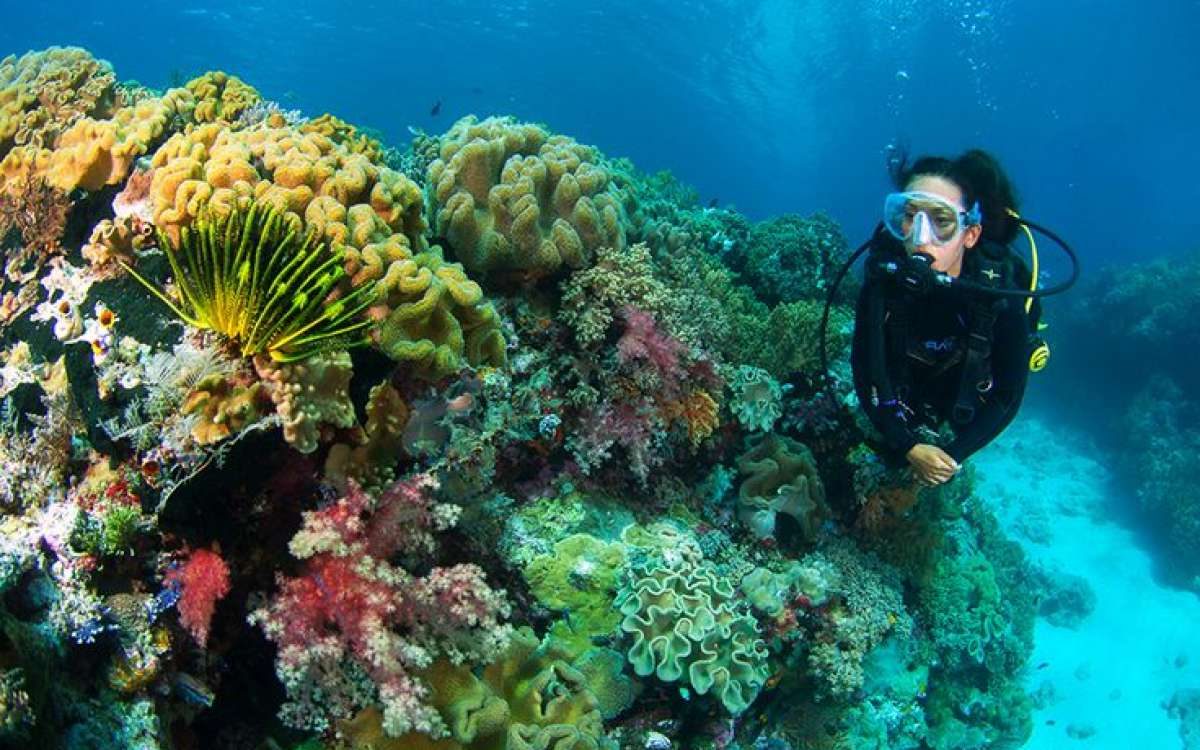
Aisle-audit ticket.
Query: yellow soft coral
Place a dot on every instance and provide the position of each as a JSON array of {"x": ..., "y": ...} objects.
[
  {"x": 308, "y": 395},
  {"x": 308, "y": 175},
  {"x": 43, "y": 93},
  {"x": 340, "y": 131},
  {"x": 221, "y": 97},
  {"x": 93, "y": 153},
  {"x": 436, "y": 317},
  {"x": 511, "y": 198},
  {"x": 223, "y": 408},
  {"x": 428, "y": 312}
]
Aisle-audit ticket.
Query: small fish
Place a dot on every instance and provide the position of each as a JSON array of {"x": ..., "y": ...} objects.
[
  {"x": 193, "y": 691},
  {"x": 476, "y": 89},
  {"x": 1043, "y": 665},
  {"x": 437, "y": 107},
  {"x": 1050, "y": 722},
  {"x": 713, "y": 203}
]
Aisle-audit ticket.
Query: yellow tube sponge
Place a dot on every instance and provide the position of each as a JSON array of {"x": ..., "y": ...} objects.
[{"x": 512, "y": 199}]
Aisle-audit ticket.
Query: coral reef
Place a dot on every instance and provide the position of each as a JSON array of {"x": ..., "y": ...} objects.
[
  {"x": 489, "y": 436},
  {"x": 685, "y": 622}
]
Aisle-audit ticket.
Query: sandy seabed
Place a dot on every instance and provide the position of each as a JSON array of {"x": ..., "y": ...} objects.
[{"x": 1106, "y": 683}]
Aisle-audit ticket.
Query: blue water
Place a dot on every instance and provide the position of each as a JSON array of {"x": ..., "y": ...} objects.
[{"x": 771, "y": 106}]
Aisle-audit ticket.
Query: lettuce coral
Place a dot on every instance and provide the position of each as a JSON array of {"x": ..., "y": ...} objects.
[{"x": 685, "y": 622}]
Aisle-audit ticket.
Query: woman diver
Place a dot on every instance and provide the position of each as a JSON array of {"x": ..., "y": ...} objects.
[{"x": 946, "y": 322}]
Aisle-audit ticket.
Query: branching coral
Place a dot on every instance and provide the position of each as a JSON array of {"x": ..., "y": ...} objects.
[
  {"x": 866, "y": 605},
  {"x": 38, "y": 211},
  {"x": 791, "y": 258}
]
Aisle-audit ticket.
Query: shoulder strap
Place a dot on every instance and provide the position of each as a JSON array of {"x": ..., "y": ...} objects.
[{"x": 976, "y": 376}]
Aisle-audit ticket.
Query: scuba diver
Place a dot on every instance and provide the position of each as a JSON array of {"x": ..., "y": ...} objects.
[{"x": 946, "y": 325}]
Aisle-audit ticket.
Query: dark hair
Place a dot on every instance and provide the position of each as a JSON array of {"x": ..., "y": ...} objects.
[{"x": 980, "y": 177}]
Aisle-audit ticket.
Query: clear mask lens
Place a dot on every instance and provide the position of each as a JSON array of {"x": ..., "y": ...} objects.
[{"x": 923, "y": 218}]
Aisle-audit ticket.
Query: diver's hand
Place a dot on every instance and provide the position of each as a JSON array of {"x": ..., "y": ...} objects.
[{"x": 931, "y": 465}]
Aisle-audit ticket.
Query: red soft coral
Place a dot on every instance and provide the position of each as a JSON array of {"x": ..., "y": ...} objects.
[
  {"x": 203, "y": 581},
  {"x": 355, "y": 613}
]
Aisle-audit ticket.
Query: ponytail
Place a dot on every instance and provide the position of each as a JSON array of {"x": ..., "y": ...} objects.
[{"x": 981, "y": 178}]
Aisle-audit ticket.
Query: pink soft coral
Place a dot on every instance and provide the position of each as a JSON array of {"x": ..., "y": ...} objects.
[
  {"x": 643, "y": 340},
  {"x": 203, "y": 581},
  {"x": 354, "y": 617}
]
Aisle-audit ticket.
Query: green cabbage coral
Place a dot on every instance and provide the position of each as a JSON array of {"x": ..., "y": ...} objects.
[
  {"x": 250, "y": 276},
  {"x": 684, "y": 621}
]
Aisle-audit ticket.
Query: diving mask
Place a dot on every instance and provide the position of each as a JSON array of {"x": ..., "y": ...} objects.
[{"x": 921, "y": 218}]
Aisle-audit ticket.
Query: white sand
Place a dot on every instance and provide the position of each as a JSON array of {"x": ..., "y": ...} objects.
[{"x": 1141, "y": 643}]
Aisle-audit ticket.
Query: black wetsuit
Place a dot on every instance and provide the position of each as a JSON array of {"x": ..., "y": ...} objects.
[{"x": 926, "y": 384}]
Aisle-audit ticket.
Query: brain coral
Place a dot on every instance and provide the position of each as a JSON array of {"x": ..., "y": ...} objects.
[
  {"x": 684, "y": 621},
  {"x": 510, "y": 197}
]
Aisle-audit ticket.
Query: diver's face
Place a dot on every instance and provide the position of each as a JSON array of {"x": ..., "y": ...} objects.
[{"x": 947, "y": 258}]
